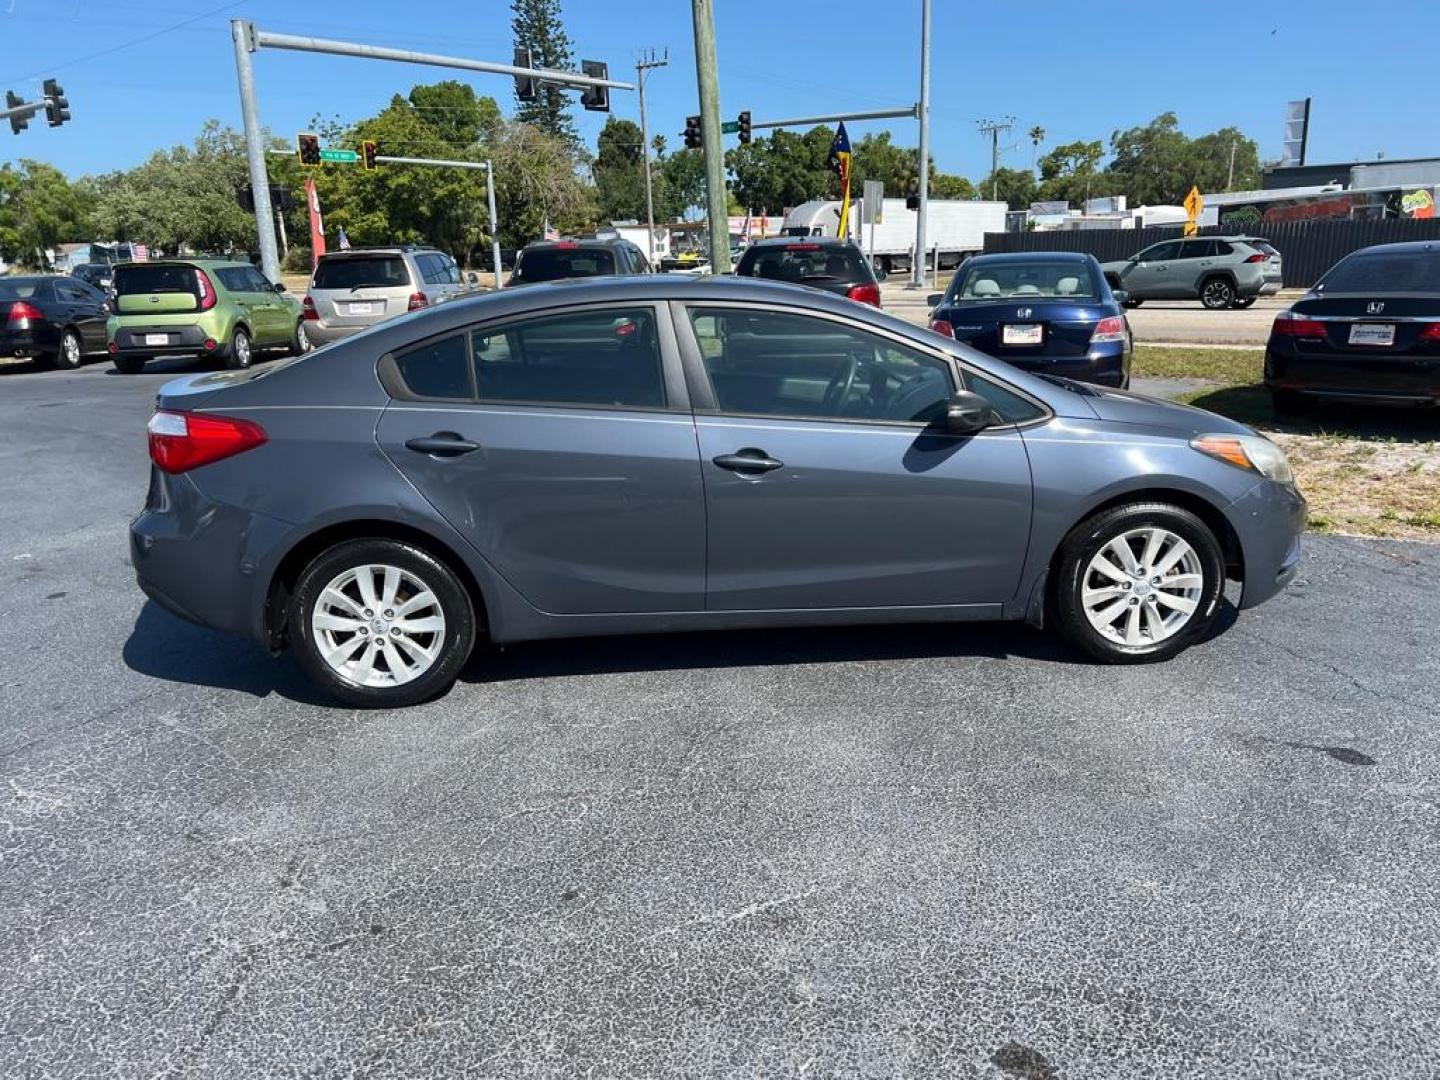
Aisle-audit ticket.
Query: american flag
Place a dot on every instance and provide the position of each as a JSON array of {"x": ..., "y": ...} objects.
[
  {"x": 551, "y": 233},
  {"x": 139, "y": 253},
  {"x": 343, "y": 240}
]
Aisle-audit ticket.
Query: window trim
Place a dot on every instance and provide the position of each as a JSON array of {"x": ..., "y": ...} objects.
[
  {"x": 703, "y": 394},
  {"x": 677, "y": 399}
]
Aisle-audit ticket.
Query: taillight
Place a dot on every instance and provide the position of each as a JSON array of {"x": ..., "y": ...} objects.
[
  {"x": 307, "y": 310},
  {"x": 865, "y": 294},
  {"x": 207, "y": 290},
  {"x": 181, "y": 441},
  {"x": 1288, "y": 324},
  {"x": 20, "y": 311},
  {"x": 942, "y": 327},
  {"x": 418, "y": 300},
  {"x": 1430, "y": 332},
  {"x": 1108, "y": 329},
  {"x": 1258, "y": 258}
]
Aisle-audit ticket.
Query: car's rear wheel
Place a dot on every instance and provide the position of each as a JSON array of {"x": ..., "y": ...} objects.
[
  {"x": 1217, "y": 294},
  {"x": 1242, "y": 302},
  {"x": 130, "y": 365},
  {"x": 299, "y": 343},
  {"x": 1138, "y": 583},
  {"x": 70, "y": 353},
  {"x": 1133, "y": 303},
  {"x": 381, "y": 623},
  {"x": 241, "y": 353}
]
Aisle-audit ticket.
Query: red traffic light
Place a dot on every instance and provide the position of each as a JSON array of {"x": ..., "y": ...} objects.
[{"x": 308, "y": 146}]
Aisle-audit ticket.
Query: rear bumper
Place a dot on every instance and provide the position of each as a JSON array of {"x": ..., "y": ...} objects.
[
  {"x": 26, "y": 343},
  {"x": 1396, "y": 379},
  {"x": 318, "y": 332},
  {"x": 1270, "y": 288},
  {"x": 1107, "y": 364},
  {"x": 180, "y": 341},
  {"x": 1269, "y": 520}
]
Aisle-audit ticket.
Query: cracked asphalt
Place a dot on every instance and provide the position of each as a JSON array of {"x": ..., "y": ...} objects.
[{"x": 860, "y": 853}]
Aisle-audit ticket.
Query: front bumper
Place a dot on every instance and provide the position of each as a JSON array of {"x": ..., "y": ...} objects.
[{"x": 1269, "y": 520}]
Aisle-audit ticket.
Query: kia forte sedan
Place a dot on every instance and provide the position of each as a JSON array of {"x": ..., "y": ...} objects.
[{"x": 657, "y": 453}]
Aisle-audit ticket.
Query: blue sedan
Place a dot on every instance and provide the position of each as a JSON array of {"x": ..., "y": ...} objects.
[{"x": 1050, "y": 312}]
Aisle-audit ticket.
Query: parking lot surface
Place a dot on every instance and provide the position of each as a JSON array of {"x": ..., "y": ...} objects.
[{"x": 870, "y": 852}]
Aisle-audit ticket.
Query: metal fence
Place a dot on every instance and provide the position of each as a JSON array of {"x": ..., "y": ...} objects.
[{"x": 1309, "y": 248}]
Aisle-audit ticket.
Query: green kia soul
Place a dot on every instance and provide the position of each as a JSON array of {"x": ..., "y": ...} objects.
[{"x": 220, "y": 308}]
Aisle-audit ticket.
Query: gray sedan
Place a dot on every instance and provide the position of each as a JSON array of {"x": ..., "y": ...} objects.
[{"x": 664, "y": 453}]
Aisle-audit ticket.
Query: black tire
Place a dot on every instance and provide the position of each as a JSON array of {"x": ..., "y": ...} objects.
[
  {"x": 1133, "y": 303},
  {"x": 130, "y": 365},
  {"x": 70, "y": 353},
  {"x": 1217, "y": 293},
  {"x": 240, "y": 353},
  {"x": 453, "y": 603},
  {"x": 299, "y": 343},
  {"x": 1242, "y": 302},
  {"x": 1286, "y": 402},
  {"x": 1090, "y": 537}
]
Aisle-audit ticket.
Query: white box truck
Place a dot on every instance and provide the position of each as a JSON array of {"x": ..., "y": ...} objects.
[{"x": 956, "y": 227}]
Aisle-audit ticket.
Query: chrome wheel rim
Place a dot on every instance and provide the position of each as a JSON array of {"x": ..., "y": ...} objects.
[
  {"x": 1142, "y": 588},
  {"x": 1217, "y": 292},
  {"x": 242, "y": 350},
  {"x": 71, "y": 344},
  {"x": 378, "y": 626},
  {"x": 301, "y": 339}
]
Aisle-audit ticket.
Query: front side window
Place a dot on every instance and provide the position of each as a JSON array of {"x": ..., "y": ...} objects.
[
  {"x": 607, "y": 358},
  {"x": 1160, "y": 252},
  {"x": 779, "y": 364}
]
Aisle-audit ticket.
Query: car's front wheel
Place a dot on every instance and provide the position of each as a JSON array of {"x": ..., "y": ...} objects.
[
  {"x": 241, "y": 352},
  {"x": 381, "y": 623},
  {"x": 1138, "y": 583},
  {"x": 1217, "y": 294}
]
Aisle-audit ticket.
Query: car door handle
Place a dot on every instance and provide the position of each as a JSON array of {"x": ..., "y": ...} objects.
[
  {"x": 748, "y": 460},
  {"x": 441, "y": 444}
]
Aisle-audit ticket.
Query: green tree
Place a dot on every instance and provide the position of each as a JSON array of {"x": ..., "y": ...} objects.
[
  {"x": 1151, "y": 165},
  {"x": 683, "y": 183},
  {"x": 39, "y": 208},
  {"x": 1211, "y": 161},
  {"x": 1037, "y": 136},
  {"x": 1070, "y": 172},
  {"x": 784, "y": 170},
  {"x": 620, "y": 171},
  {"x": 454, "y": 112},
  {"x": 949, "y": 186},
  {"x": 1015, "y": 187},
  {"x": 537, "y": 26}
]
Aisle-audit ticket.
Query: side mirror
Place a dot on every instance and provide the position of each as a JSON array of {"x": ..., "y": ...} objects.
[
  {"x": 933, "y": 300},
  {"x": 1120, "y": 295},
  {"x": 967, "y": 412},
  {"x": 279, "y": 286}
]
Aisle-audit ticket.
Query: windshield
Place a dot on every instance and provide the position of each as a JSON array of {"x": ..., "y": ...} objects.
[
  {"x": 551, "y": 264},
  {"x": 1386, "y": 272},
  {"x": 155, "y": 278},
  {"x": 805, "y": 264},
  {"x": 364, "y": 272},
  {"x": 18, "y": 288},
  {"x": 1040, "y": 278}
]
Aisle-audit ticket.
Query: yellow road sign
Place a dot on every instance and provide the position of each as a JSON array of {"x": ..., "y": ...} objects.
[{"x": 1194, "y": 203}]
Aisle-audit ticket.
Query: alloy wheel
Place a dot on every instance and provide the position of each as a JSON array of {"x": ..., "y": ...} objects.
[
  {"x": 378, "y": 626},
  {"x": 1218, "y": 294},
  {"x": 70, "y": 348},
  {"x": 1142, "y": 587}
]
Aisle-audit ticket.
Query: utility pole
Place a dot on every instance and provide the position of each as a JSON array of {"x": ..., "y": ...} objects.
[
  {"x": 243, "y": 34},
  {"x": 917, "y": 264},
  {"x": 1230, "y": 175},
  {"x": 707, "y": 77},
  {"x": 644, "y": 64},
  {"x": 993, "y": 128}
]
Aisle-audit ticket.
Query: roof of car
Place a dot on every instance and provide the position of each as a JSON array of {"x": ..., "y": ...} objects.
[
  {"x": 788, "y": 241},
  {"x": 382, "y": 249},
  {"x": 577, "y": 242},
  {"x": 1028, "y": 256},
  {"x": 185, "y": 260},
  {"x": 1404, "y": 247}
]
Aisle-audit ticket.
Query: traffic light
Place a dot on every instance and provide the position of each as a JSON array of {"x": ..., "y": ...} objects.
[
  {"x": 309, "y": 147},
  {"x": 17, "y": 123},
  {"x": 595, "y": 98},
  {"x": 912, "y": 202},
  {"x": 57, "y": 105},
  {"x": 693, "y": 137},
  {"x": 245, "y": 197},
  {"x": 524, "y": 84},
  {"x": 744, "y": 127},
  {"x": 368, "y": 152}
]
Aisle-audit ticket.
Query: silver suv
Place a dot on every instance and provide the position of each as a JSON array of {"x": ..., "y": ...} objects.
[
  {"x": 1219, "y": 271},
  {"x": 351, "y": 290}
]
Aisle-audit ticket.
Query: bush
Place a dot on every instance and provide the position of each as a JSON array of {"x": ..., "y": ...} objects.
[{"x": 297, "y": 260}]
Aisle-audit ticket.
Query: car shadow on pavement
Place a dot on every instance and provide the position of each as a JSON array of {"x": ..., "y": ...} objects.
[
  {"x": 1252, "y": 405},
  {"x": 163, "y": 646}
]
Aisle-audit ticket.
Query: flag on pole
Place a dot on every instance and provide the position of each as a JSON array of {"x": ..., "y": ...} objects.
[
  {"x": 745, "y": 231},
  {"x": 342, "y": 240},
  {"x": 840, "y": 163},
  {"x": 551, "y": 233}
]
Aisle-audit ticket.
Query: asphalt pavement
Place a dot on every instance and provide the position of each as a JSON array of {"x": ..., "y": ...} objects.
[{"x": 946, "y": 852}]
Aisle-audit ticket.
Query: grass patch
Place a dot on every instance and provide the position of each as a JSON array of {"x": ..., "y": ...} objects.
[{"x": 1216, "y": 365}]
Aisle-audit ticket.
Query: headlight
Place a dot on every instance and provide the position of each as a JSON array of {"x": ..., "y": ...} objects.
[{"x": 1254, "y": 453}]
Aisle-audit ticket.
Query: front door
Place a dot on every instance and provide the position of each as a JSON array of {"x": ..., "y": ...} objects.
[
  {"x": 562, "y": 448},
  {"x": 84, "y": 308},
  {"x": 1151, "y": 276},
  {"x": 271, "y": 313},
  {"x": 828, "y": 483}
]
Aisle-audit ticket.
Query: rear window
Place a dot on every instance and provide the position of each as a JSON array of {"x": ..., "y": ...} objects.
[
  {"x": 805, "y": 264},
  {"x": 136, "y": 280},
  {"x": 18, "y": 288},
  {"x": 1382, "y": 272},
  {"x": 552, "y": 264},
  {"x": 364, "y": 272},
  {"x": 1037, "y": 278}
]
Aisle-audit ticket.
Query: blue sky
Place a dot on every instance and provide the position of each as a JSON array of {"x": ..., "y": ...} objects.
[{"x": 1082, "y": 76}]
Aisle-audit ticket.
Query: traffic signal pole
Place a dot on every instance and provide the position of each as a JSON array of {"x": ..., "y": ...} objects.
[
  {"x": 243, "y": 34},
  {"x": 489, "y": 193},
  {"x": 917, "y": 264},
  {"x": 708, "y": 78}
]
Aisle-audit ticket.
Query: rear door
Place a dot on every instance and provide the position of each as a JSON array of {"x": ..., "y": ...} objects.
[
  {"x": 1197, "y": 258},
  {"x": 84, "y": 308},
  {"x": 562, "y": 446},
  {"x": 827, "y": 483}
]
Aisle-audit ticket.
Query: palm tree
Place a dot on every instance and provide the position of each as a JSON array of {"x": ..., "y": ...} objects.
[{"x": 1037, "y": 136}]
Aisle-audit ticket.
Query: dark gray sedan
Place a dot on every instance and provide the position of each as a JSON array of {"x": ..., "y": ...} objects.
[{"x": 669, "y": 453}]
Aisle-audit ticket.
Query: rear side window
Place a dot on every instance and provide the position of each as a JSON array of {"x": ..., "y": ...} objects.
[
  {"x": 805, "y": 264},
  {"x": 135, "y": 280},
  {"x": 363, "y": 272},
  {"x": 1222, "y": 249},
  {"x": 608, "y": 358},
  {"x": 1386, "y": 271},
  {"x": 552, "y": 264},
  {"x": 437, "y": 369}
]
